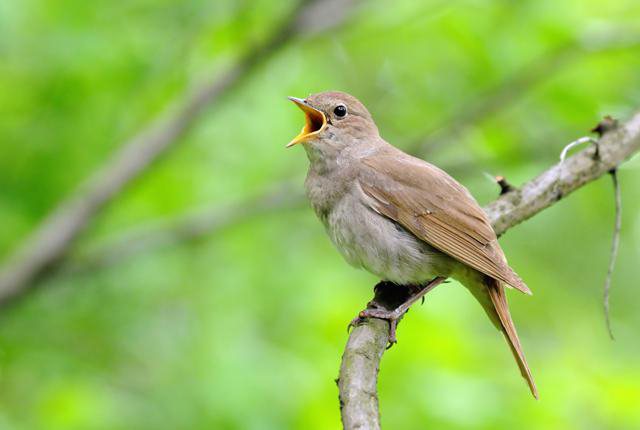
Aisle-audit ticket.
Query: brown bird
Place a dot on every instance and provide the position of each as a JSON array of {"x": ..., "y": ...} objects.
[{"x": 399, "y": 217}]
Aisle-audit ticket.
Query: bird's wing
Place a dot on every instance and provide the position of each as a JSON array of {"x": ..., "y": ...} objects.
[{"x": 437, "y": 209}]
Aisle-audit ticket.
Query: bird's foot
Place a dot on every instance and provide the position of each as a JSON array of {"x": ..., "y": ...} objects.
[
  {"x": 374, "y": 310},
  {"x": 391, "y": 316},
  {"x": 354, "y": 322},
  {"x": 379, "y": 306}
]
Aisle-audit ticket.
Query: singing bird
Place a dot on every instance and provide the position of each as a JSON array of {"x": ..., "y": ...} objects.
[{"x": 399, "y": 217}]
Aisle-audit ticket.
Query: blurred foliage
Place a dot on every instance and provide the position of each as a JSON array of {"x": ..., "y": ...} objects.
[{"x": 245, "y": 328}]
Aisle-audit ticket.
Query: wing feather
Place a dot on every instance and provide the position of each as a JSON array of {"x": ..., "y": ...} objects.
[{"x": 437, "y": 209}]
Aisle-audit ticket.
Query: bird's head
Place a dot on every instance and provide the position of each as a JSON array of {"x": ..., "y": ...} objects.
[{"x": 333, "y": 121}]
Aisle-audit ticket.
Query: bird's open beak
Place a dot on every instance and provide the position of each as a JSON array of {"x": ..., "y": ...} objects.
[{"x": 315, "y": 122}]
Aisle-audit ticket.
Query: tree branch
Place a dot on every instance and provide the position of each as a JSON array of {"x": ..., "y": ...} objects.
[
  {"x": 367, "y": 341},
  {"x": 51, "y": 241},
  {"x": 615, "y": 243}
]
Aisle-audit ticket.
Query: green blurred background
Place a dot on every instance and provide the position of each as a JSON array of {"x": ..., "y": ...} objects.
[{"x": 243, "y": 326}]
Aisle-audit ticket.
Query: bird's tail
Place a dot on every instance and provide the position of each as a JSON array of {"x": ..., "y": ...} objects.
[{"x": 498, "y": 311}]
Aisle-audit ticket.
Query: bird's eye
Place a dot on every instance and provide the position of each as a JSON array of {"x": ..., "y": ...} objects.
[{"x": 340, "y": 110}]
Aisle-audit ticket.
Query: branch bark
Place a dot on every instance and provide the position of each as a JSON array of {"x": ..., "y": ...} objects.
[
  {"x": 51, "y": 241},
  {"x": 367, "y": 341}
]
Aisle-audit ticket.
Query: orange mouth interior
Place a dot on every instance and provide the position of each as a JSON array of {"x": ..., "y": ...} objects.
[{"x": 314, "y": 122}]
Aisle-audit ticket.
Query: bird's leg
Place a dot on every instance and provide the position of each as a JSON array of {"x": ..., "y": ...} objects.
[{"x": 379, "y": 306}]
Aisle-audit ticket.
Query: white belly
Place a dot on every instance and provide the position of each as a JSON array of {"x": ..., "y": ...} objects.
[{"x": 381, "y": 246}]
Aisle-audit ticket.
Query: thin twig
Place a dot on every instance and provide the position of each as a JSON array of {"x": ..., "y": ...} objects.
[
  {"x": 607, "y": 124},
  {"x": 614, "y": 247},
  {"x": 577, "y": 142},
  {"x": 501, "y": 181}
]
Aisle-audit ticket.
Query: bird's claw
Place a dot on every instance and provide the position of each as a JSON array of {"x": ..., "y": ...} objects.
[
  {"x": 391, "y": 316},
  {"x": 355, "y": 322}
]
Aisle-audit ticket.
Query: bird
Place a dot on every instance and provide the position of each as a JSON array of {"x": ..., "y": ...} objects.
[{"x": 399, "y": 217}]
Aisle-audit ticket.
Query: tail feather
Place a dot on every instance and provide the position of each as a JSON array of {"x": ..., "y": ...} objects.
[
  {"x": 500, "y": 307},
  {"x": 490, "y": 293}
]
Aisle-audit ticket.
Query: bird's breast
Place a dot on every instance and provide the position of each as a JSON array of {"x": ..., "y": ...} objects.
[{"x": 383, "y": 247}]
